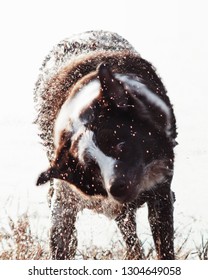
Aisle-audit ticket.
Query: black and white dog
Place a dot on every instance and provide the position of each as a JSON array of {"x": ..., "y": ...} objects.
[{"x": 109, "y": 130}]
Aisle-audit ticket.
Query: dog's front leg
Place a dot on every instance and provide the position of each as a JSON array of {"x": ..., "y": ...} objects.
[
  {"x": 160, "y": 207},
  {"x": 126, "y": 222},
  {"x": 63, "y": 241}
]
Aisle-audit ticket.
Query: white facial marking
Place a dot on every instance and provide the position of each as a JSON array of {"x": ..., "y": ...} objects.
[
  {"x": 138, "y": 86},
  {"x": 106, "y": 164},
  {"x": 68, "y": 117}
]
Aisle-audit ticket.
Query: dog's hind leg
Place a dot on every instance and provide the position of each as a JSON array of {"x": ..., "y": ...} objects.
[
  {"x": 126, "y": 222},
  {"x": 63, "y": 241},
  {"x": 160, "y": 206}
]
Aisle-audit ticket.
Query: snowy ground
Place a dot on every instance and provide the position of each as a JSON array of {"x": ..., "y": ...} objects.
[{"x": 171, "y": 36}]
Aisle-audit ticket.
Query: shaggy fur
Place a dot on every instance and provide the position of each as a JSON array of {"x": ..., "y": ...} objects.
[{"x": 74, "y": 157}]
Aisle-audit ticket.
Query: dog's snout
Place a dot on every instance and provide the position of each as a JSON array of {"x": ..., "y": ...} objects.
[
  {"x": 118, "y": 189},
  {"x": 121, "y": 191}
]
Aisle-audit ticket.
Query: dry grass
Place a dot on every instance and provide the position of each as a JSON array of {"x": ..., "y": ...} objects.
[
  {"x": 202, "y": 250},
  {"x": 19, "y": 243}
]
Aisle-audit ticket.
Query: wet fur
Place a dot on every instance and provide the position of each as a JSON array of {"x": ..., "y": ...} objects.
[{"x": 66, "y": 200}]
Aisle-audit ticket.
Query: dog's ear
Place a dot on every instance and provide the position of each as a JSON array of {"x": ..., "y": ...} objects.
[
  {"x": 45, "y": 176},
  {"x": 60, "y": 166},
  {"x": 113, "y": 90}
]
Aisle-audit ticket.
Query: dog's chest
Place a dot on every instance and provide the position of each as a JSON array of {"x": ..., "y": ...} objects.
[{"x": 69, "y": 198}]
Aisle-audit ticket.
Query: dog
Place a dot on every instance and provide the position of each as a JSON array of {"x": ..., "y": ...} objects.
[{"x": 109, "y": 131}]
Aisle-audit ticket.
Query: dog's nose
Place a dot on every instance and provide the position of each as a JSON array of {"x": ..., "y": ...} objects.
[{"x": 120, "y": 191}]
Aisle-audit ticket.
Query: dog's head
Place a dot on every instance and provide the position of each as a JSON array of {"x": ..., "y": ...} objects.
[{"x": 113, "y": 131}]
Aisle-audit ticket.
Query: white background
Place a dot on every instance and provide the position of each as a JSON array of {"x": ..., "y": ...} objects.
[
  {"x": 22, "y": 269},
  {"x": 170, "y": 34}
]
